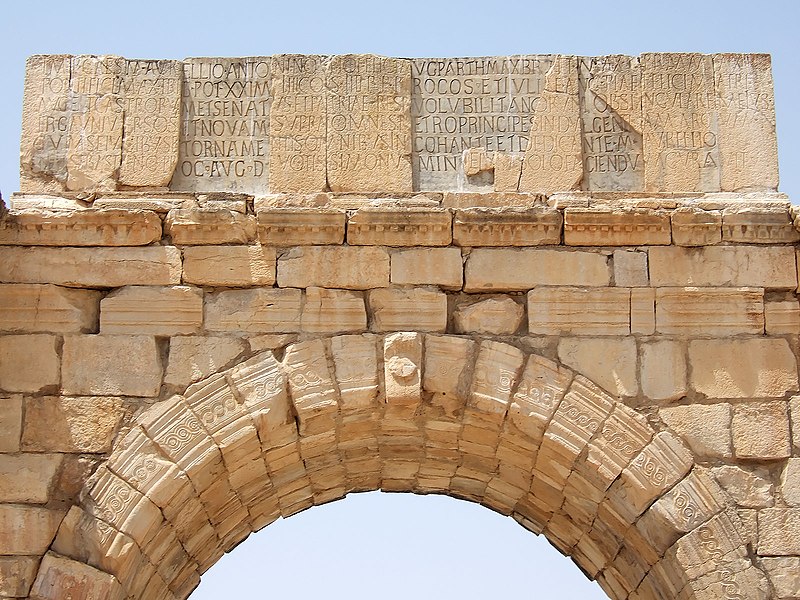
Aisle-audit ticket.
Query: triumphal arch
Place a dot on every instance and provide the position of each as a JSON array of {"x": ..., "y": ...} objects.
[{"x": 562, "y": 287}]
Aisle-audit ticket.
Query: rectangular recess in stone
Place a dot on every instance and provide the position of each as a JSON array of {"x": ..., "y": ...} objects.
[
  {"x": 463, "y": 103},
  {"x": 224, "y": 143}
]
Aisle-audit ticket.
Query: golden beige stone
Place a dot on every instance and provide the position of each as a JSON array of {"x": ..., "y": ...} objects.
[
  {"x": 29, "y": 363},
  {"x": 446, "y": 369},
  {"x": 229, "y": 266},
  {"x": 601, "y": 227},
  {"x": 333, "y": 311},
  {"x": 428, "y": 266},
  {"x": 761, "y": 430},
  {"x": 778, "y": 530},
  {"x": 209, "y": 226},
  {"x": 193, "y": 357},
  {"x": 630, "y": 269},
  {"x": 782, "y": 317},
  {"x": 152, "y": 310},
  {"x": 750, "y": 488},
  {"x": 10, "y": 423},
  {"x": 643, "y": 311},
  {"x": 790, "y": 482},
  {"x": 610, "y": 362},
  {"x": 588, "y": 311},
  {"x": 17, "y": 574},
  {"x": 692, "y": 227},
  {"x": 27, "y": 530},
  {"x": 355, "y": 358},
  {"x": 419, "y": 309},
  {"x": 507, "y": 227},
  {"x": 62, "y": 574},
  {"x": 301, "y": 226},
  {"x": 257, "y": 310},
  {"x": 782, "y": 572},
  {"x": 717, "y": 312},
  {"x": 495, "y": 316},
  {"x": 47, "y": 308},
  {"x": 402, "y": 360},
  {"x": 400, "y": 227},
  {"x": 706, "y": 429},
  {"x": 27, "y": 478},
  {"x": 497, "y": 367},
  {"x": 507, "y": 171},
  {"x": 663, "y": 370},
  {"x": 68, "y": 424},
  {"x": 755, "y": 225},
  {"x": 335, "y": 267}
]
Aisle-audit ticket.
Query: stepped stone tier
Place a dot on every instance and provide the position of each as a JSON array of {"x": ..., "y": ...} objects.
[{"x": 321, "y": 304}]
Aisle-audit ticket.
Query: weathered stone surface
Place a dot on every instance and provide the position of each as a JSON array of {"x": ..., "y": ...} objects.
[
  {"x": 64, "y": 424},
  {"x": 311, "y": 384},
  {"x": 29, "y": 363},
  {"x": 663, "y": 369},
  {"x": 599, "y": 227},
  {"x": 446, "y": 370},
  {"x": 630, "y": 269},
  {"x": 501, "y": 269},
  {"x": 209, "y": 226},
  {"x": 124, "y": 365},
  {"x": 400, "y": 227},
  {"x": 761, "y": 430},
  {"x": 340, "y": 267},
  {"x": 782, "y": 572},
  {"x": 90, "y": 267},
  {"x": 758, "y": 225},
  {"x": 790, "y": 482},
  {"x": 152, "y": 310},
  {"x": 47, "y": 308},
  {"x": 782, "y": 317},
  {"x": 507, "y": 227},
  {"x": 692, "y": 227},
  {"x": 355, "y": 359},
  {"x": 333, "y": 311},
  {"x": 592, "y": 311},
  {"x": 542, "y": 386},
  {"x": 192, "y": 358},
  {"x": 428, "y": 266},
  {"x": 495, "y": 316},
  {"x": 253, "y": 311},
  {"x": 10, "y": 423},
  {"x": 750, "y": 488},
  {"x": 27, "y": 477},
  {"x": 706, "y": 429},
  {"x": 779, "y": 532},
  {"x": 402, "y": 360},
  {"x": 609, "y": 362},
  {"x": 27, "y": 530},
  {"x": 301, "y": 226},
  {"x": 60, "y": 576},
  {"x": 643, "y": 311},
  {"x": 742, "y": 368},
  {"x": 716, "y": 312},
  {"x": 417, "y": 309},
  {"x": 17, "y": 574},
  {"x": 229, "y": 266}
]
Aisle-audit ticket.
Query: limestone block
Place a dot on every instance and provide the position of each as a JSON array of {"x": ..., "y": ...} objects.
[
  {"x": 542, "y": 386},
  {"x": 417, "y": 309},
  {"x": 504, "y": 200},
  {"x": 609, "y": 362},
  {"x": 779, "y": 532},
  {"x": 758, "y": 226},
  {"x": 10, "y": 423},
  {"x": 64, "y": 424},
  {"x": 297, "y": 123},
  {"x": 663, "y": 369},
  {"x": 301, "y": 226},
  {"x": 507, "y": 171},
  {"x": 600, "y": 311},
  {"x": 58, "y": 576},
  {"x": 769, "y": 267},
  {"x": 311, "y": 383},
  {"x": 80, "y": 228},
  {"x": 192, "y": 358},
  {"x": 630, "y": 269},
  {"x": 152, "y": 310},
  {"x": 782, "y": 317},
  {"x": 602, "y": 227},
  {"x": 262, "y": 385},
  {"x": 368, "y": 124},
  {"x": 681, "y": 152},
  {"x": 446, "y": 370},
  {"x": 400, "y": 227},
  {"x": 782, "y": 572},
  {"x": 761, "y": 430},
  {"x": 748, "y": 147},
  {"x": 790, "y": 482},
  {"x": 125, "y": 365},
  {"x": 27, "y": 530},
  {"x": 355, "y": 359},
  {"x": 507, "y": 227},
  {"x": 508, "y": 270},
  {"x": 17, "y": 574},
  {"x": 229, "y": 266},
  {"x": 27, "y": 477},
  {"x": 643, "y": 311},
  {"x": 706, "y": 429},
  {"x": 794, "y": 411},
  {"x": 428, "y": 266},
  {"x": 742, "y": 368},
  {"x": 749, "y": 488},
  {"x": 253, "y": 311},
  {"x": 494, "y": 316},
  {"x": 335, "y": 267},
  {"x": 195, "y": 226},
  {"x": 29, "y": 363},
  {"x": 332, "y": 311},
  {"x": 402, "y": 360},
  {"x": 715, "y": 312},
  {"x": 497, "y": 369},
  {"x": 47, "y": 308},
  {"x": 91, "y": 267},
  {"x": 692, "y": 227},
  {"x": 241, "y": 163}
]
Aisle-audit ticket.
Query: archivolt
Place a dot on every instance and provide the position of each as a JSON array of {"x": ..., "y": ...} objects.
[{"x": 483, "y": 421}]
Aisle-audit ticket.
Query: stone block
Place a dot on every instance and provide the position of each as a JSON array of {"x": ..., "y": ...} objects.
[
  {"x": 693, "y": 227},
  {"x": 446, "y": 372},
  {"x": 192, "y": 358},
  {"x": 152, "y": 310},
  {"x": 782, "y": 572},
  {"x": 754, "y": 225},
  {"x": 27, "y": 478},
  {"x": 27, "y": 530},
  {"x": 398, "y": 309},
  {"x": 10, "y": 423},
  {"x": 91, "y": 267},
  {"x": 313, "y": 390},
  {"x": 64, "y": 424},
  {"x": 195, "y": 226},
  {"x": 229, "y": 266},
  {"x": 335, "y": 267},
  {"x": 790, "y": 482},
  {"x": 748, "y": 487},
  {"x": 111, "y": 365},
  {"x": 355, "y": 359},
  {"x": 490, "y": 269},
  {"x": 301, "y": 226},
  {"x": 402, "y": 360},
  {"x": 609, "y": 362},
  {"x": 706, "y": 428},
  {"x": 782, "y": 317},
  {"x": 507, "y": 227},
  {"x": 17, "y": 574},
  {"x": 742, "y": 368},
  {"x": 400, "y": 227},
  {"x": 497, "y": 369},
  {"x": 428, "y": 266},
  {"x": 499, "y": 200},
  {"x": 562, "y": 310},
  {"x": 779, "y": 532},
  {"x": 643, "y": 311},
  {"x": 333, "y": 311},
  {"x": 768, "y": 267},
  {"x": 58, "y": 576},
  {"x": 541, "y": 388},
  {"x": 761, "y": 430},
  {"x": 794, "y": 412},
  {"x": 717, "y": 312},
  {"x": 29, "y": 363},
  {"x": 47, "y": 309},
  {"x": 663, "y": 369},
  {"x": 599, "y": 227},
  {"x": 256, "y": 310},
  {"x": 493, "y": 316},
  {"x": 630, "y": 269}
]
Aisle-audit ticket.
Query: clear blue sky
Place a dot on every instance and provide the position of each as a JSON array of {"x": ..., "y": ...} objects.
[{"x": 378, "y": 545}]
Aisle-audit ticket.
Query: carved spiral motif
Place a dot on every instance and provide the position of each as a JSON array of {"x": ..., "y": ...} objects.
[
  {"x": 582, "y": 420},
  {"x": 182, "y": 433},
  {"x": 654, "y": 473},
  {"x": 684, "y": 505},
  {"x": 218, "y": 410},
  {"x": 268, "y": 386},
  {"x": 618, "y": 441},
  {"x": 305, "y": 380},
  {"x": 144, "y": 471}
]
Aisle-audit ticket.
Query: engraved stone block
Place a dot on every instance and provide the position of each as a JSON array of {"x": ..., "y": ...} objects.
[
  {"x": 496, "y": 372},
  {"x": 717, "y": 312},
  {"x": 696, "y": 227},
  {"x": 47, "y": 308},
  {"x": 601, "y": 311},
  {"x": 542, "y": 385},
  {"x": 446, "y": 373},
  {"x": 417, "y": 309},
  {"x": 340, "y": 267},
  {"x": 332, "y": 311},
  {"x": 152, "y": 310},
  {"x": 311, "y": 383},
  {"x": 209, "y": 226},
  {"x": 758, "y": 226},
  {"x": 255, "y": 310},
  {"x": 262, "y": 383},
  {"x": 229, "y": 266},
  {"x": 402, "y": 360},
  {"x": 355, "y": 358},
  {"x": 507, "y": 227}
]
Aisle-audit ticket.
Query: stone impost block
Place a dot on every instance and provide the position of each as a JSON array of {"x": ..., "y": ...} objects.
[
  {"x": 596, "y": 227},
  {"x": 600, "y": 311},
  {"x": 10, "y": 423},
  {"x": 111, "y": 365},
  {"x": 428, "y": 266},
  {"x": 192, "y": 358},
  {"x": 152, "y": 310},
  {"x": 609, "y": 362},
  {"x": 27, "y": 477},
  {"x": 495, "y": 269},
  {"x": 301, "y": 226},
  {"x": 345, "y": 267},
  {"x": 782, "y": 317},
  {"x": 29, "y": 363},
  {"x": 400, "y": 227},
  {"x": 416, "y": 309},
  {"x": 706, "y": 429},
  {"x": 761, "y": 430},
  {"x": 507, "y": 227},
  {"x": 758, "y": 226},
  {"x": 779, "y": 532},
  {"x": 27, "y": 530},
  {"x": 91, "y": 267},
  {"x": 663, "y": 370},
  {"x": 195, "y": 226},
  {"x": 229, "y": 266},
  {"x": 258, "y": 310},
  {"x": 742, "y": 368},
  {"x": 333, "y": 311},
  {"x": 79, "y": 579},
  {"x": 494, "y": 316},
  {"x": 768, "y": 267},
  {"x": 47, "y": 308},
  {"x": 691, "y": 227},
  {"x": 64, "y": 424},
  {"x": 81, "y": 228},
  {"x": 716, "y": 312}
]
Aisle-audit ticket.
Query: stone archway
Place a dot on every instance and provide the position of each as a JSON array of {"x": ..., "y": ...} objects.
[{"x": 478, "y": 420}]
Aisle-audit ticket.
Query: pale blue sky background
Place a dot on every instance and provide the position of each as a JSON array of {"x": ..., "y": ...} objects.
[{"x": 377, "y": 545}]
